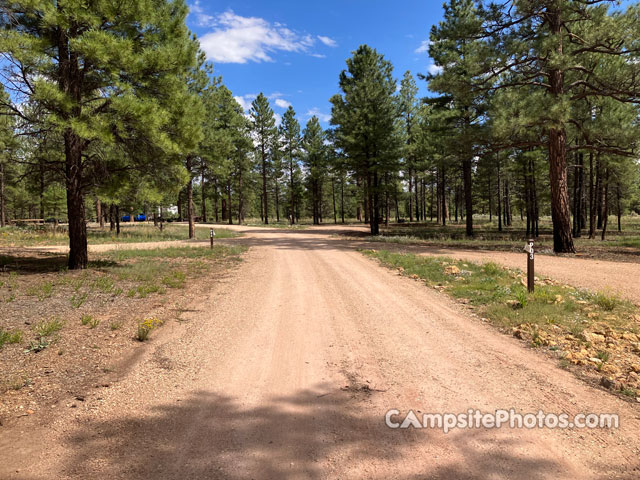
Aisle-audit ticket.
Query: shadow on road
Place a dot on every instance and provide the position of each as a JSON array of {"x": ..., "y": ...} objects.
[{"x": 308, "y": 435}]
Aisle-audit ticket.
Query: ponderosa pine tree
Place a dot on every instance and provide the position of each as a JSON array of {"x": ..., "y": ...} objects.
[
  {"x": 454, "y": 50},
  {"x": 544, "y": 50},
  {"x": 107, "y": 72},
  {"x": 264, "y": 129},
  {"x": 366, "y": 119},
  {"x": 409, "y": 108},
  {"x": 290, "y": 139},
  {"x": 315, "y": 160}
]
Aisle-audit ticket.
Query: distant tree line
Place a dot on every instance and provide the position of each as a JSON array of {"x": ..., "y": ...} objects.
[{"x": 111, "y": 108}]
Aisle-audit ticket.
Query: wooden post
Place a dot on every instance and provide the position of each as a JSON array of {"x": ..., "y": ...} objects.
[
  {"x": 211, "y": 235},
  {"x": 530, "y": 267}
]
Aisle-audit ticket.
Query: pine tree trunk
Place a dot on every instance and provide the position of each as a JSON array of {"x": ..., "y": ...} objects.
[
  {"x": 375, "y": 206},
  {"x": 292, "y": 219},
  {"x": 418, "y": 196},
  {"x": 443, "y": 191},
  {"x": 203, "y": 186},
  {"x": 619, "y": 206},
  {"x": 112, "y": 217},
  {"x": 592, "y": 199},
  {"x": 468, "y": 194},
  {"x": 342, "y": 199},
  {"x": 265, "y": 201},
  {"x": 240, "y": 199},
  {"x": 277, "y": 198},
  {"x": 3, "y": 214},
  {"x": 99, "y": 213},
  {"x": 333, "y": 195},
  {"x": 117, "y": 220},
  {"x": 560, "y": 211},
  {"x": 605, "y": 204},
  {"x": 190, "y": 213},
  {"x": 78, "y": 257},
  {"x": 410, "y": 196},
  {"x": 499, "y": 198},
  {"x": 229, "y": 207}
]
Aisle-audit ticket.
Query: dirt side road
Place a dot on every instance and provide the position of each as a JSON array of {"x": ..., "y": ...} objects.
[
  {"x": 621, "y": 278},
  {"x": 287, "y": 369}
]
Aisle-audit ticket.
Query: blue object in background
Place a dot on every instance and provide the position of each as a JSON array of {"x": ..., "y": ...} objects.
[
  {"x": 141, "y": 217},
  {"x": 126, "y": 218}
]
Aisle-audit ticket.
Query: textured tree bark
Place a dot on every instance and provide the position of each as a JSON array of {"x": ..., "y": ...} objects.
[
  {"x": 78, "y": 257},
  {"x": 560, "y": 211}
]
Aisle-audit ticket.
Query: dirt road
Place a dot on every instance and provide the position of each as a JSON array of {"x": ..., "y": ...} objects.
[{"x": 286, "y": 370}]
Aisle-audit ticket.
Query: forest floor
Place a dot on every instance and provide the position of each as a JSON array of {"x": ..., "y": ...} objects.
[{"x": 285, "y": 366}]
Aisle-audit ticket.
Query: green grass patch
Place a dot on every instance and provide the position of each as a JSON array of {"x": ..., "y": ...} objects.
[
  {"x": 499, "y": 294},
  {"x": 129, "y": 233},
  {"x": 90, "y": 321},
  {"x": 49, "y": 327},
  {"x": 10, "y": 337},
  {"x": 42, "y": 290},
  {"x": 204, "y": 252}
]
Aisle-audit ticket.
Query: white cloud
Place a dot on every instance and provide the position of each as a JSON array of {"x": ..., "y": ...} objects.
[
  {"x": 315, "y": 112},
  {"x": 282, "y": 103},
  {"x": 237, "y": 39},
  {"x": 328, "y": 41},
  {"x": 318, "y": 55},
  {"x": 245, "y": 101},
  {"x": 434, "y": 69},
  {"x": 202, "y": 18},
  {"x": 424, "y": 47}
]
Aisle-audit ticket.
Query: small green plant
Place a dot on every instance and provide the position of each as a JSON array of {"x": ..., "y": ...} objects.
[
  {"x": 492, "y": 269},
  {"x": 7, "y": 337},
  {"x": 606, "y": 302},
  {"x": 46, "y": 328},
  {"x": 145, "y": 327},
  {"x": 175, "y": 279},
  {"x": 10, "y": 298},
  {"x": 35, "y": 347},
  {"x": 628, "y": 392},
  {"x": 115, "y": 325},
  {"x": 522, "y": 298},
  {"x": 89, "y": 320},
  {"x": 78, "y": 299},
  {"x": 42, "y": 291},
  {"x": 105, "y": 284}
]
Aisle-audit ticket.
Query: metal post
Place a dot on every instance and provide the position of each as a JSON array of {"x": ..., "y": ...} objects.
[
  {"x": 211, "y": 234},
  {"x": 530, "y": 267}
]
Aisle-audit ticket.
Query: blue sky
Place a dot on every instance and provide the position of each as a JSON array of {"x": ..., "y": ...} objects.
[{"x": 293, "y": 51}]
